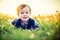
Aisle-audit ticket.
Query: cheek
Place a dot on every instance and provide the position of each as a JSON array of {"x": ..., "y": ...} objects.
[
  {"x": 28, "y": 14},
  {"x": 20, "y": 16}
]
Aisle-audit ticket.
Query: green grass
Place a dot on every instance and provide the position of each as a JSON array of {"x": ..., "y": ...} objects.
[{"x": 47, "y": 30}]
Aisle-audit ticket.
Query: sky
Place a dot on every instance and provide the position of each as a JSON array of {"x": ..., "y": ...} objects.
[{"x": 42, "y": 7}]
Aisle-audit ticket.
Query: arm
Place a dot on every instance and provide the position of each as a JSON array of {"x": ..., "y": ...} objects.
[
  {"x": 15, "y": 23},
  {"x": 35, "y": 26}
]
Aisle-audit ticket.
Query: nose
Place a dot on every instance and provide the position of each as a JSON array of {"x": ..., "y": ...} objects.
[{"x": 24, "y": 14}]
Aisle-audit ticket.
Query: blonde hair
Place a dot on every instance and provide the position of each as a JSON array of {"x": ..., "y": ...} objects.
[{"x": 20, "y": 7}]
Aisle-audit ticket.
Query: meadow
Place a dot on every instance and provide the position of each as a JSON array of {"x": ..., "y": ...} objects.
[{"x": 49, "y": 28}]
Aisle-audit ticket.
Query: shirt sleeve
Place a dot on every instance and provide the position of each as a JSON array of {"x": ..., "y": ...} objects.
[
  {"x": 33, "y": 24},
  {"x": 15, "y": 23}
]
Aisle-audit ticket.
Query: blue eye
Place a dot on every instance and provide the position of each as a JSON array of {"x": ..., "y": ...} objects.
[{"x": 26, "y": 12}]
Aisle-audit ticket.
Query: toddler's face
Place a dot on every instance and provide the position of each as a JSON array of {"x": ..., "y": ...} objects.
[{"x": 24, "y": 14}]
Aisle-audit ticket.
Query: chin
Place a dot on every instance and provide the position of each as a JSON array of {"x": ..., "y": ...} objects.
[{"x": 26, "y": 19}]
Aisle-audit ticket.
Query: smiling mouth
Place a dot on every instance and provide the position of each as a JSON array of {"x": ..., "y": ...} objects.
[{"x": 25, "y": 17}]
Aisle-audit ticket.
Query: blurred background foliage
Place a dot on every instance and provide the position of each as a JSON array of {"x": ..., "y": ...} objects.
[{"x": 49, "y": 28}]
